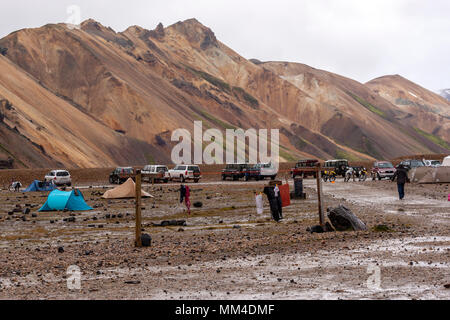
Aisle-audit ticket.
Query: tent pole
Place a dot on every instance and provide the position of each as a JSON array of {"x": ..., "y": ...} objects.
[{"x": 138, "y": 241}]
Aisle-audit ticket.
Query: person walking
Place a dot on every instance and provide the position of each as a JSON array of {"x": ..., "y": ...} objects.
[{"x": 402, "y": 178}]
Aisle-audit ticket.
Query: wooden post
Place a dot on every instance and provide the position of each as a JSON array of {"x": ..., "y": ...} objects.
[
  {"x": 138, "y": 241},
  {"x": 320, "y": 195}
]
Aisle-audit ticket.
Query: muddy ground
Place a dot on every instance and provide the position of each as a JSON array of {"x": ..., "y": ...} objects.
[{"x": 227, "y": 251}]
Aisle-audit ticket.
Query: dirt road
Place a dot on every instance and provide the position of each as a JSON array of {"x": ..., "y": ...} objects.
[{"x": 227, "y": 251}]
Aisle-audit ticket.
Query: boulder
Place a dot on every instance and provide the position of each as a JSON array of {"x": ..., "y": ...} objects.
[
  {"x": 198, "y": 204},
  {"x": 343, "y": 219}
]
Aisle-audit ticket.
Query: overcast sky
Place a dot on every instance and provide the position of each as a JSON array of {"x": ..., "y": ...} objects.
[{"x": 361, "y": 39}]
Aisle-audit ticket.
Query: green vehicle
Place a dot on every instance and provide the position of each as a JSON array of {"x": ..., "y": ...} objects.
[{"x": 339, "y": 166}]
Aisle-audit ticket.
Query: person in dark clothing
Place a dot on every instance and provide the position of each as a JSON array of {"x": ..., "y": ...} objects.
[
  {"x": 273, "y": 201},
  {"x": 279, "y": 202},
  {"x": 402, "y": 178},
  {"x": 182, "y": 193}
]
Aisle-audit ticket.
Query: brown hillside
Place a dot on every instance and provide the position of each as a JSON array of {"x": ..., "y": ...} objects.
[{"x": 107, "y": 98}]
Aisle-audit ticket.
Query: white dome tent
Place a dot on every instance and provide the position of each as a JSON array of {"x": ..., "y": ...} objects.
[{"x": 446, "y": 162}]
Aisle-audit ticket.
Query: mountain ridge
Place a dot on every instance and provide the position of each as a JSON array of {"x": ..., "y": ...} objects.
[{"x": 142, "y": 84}]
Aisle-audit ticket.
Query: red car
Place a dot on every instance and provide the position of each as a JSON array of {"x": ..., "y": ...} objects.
[
  {"x": 382, "y": 170},
  {"x": 301, "y": 168}
]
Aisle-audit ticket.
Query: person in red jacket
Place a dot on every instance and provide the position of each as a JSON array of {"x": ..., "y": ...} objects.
[{"x": 188, "y": 200}]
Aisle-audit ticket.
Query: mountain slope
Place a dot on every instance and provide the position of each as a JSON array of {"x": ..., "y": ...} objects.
[
  {"x": 445, "y": 93},
  {"x": 43, "y": 130},
  {"x": 122, "y": 94},
  {"x": 365, "y": 119},
  {"x": 426, "y": 111}
]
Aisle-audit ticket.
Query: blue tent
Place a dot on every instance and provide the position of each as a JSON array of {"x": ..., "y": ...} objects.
[
  {"x": 41, "y": 186},
  {"x": 61, "y": 200}
]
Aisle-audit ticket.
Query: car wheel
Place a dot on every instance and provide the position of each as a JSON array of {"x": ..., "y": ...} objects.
[
  {"x": 166, "y": 180},
  {"x": 183, "y": 179},
  {"x": 69, "y": 184},
  {"x": 196, "y": 180},
  {"x": 379, "y": 177},
  {"x": 223, "y": 178},
  {"x": 246, "y": 178}
]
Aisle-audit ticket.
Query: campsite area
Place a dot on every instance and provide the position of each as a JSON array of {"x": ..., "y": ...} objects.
[{"x": 226, "y": 250}]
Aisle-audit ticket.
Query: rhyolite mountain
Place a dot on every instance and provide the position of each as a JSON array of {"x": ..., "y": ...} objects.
[
  {"x": 93, "y": 97},
  {"x": 445, "y": 93}
]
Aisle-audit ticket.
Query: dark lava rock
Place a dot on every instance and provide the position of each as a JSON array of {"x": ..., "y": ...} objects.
[
  {"x": 61, "y": 249},
  {"x": 26, "y": 211},
  {"x": 198, "y": 204},
  {"x": 146, "y": 240},
  {"x": 343, "y": 219}
]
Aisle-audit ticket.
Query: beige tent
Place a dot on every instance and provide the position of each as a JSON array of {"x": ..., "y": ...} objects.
[
  {"x": 436, "y": 175},
  {"x": 126, "y": 190}
]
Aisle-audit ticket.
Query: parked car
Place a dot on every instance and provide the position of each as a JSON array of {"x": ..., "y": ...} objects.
[
  {"x": 411, "y": 164},
  {"x": 185, "y": 173},
  {"x": 158, "y": 173},
  {"x": 121, "y": 174},
  {"x": 339, "y": 166},
  {"x": 261, "y": 171},
  {"x": 235, "y": 171},
  {"x": 382, "y": 170},
  {"x": 432, "y": 163},
  {"x": 301, "y": 169},
  {"x": 59, "y": 178}
]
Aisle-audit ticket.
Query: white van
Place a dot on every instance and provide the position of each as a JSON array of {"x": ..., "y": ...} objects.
[{"x": 156, "y": 172}]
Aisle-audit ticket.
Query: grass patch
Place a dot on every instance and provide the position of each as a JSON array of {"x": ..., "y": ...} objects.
[
  {"x": 381, "y": 228},
  {"x": 216, "y": 121},
  {"x": 211, "y": 79},
  {"x": 435, "y": 139},
  {"x": 241, "y": 93},
  {"x": 341, "y": 154},
  {"x": 367, "y": 105},
  {"x": 286, "y": 155}
]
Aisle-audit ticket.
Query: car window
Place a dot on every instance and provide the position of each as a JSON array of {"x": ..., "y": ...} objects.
[
  {"x": 180, "y": 168},
  {"x": 62, "y": 174},
  {"x": 417, "y": 163}
]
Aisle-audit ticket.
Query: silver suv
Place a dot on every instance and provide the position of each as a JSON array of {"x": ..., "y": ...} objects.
[
  {"x": 185, "y": 172},
  {"x": 59, "y": 177}
]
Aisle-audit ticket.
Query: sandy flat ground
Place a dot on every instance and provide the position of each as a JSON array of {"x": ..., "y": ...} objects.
[{"x": 227, "y": 251}]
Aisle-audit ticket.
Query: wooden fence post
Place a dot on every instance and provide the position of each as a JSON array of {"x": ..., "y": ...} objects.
[
  {"x": 138, "y": 241},
  {"x": 320, "y": 194}
]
